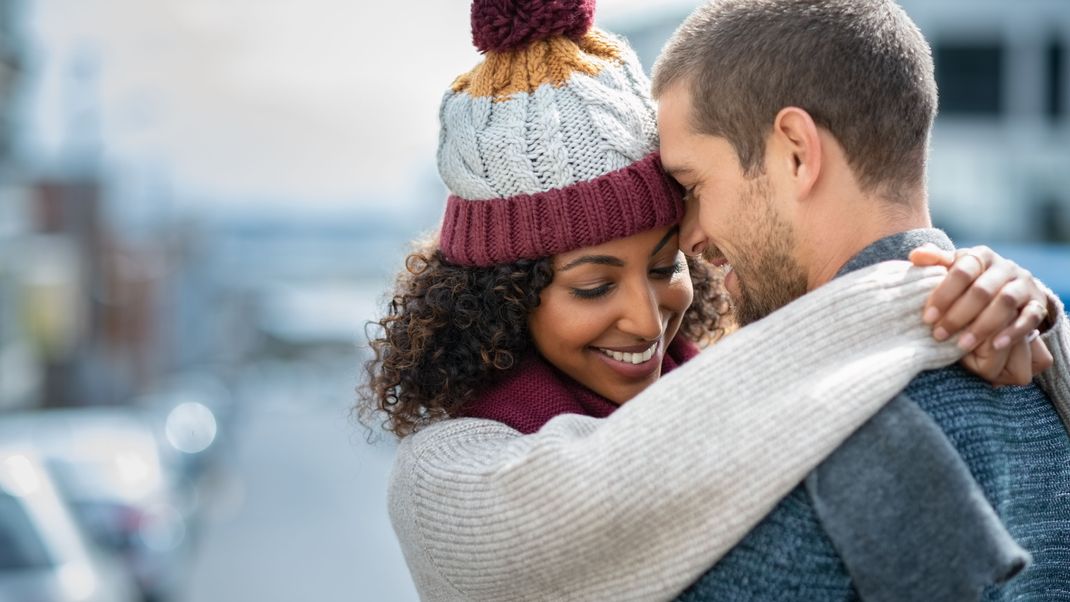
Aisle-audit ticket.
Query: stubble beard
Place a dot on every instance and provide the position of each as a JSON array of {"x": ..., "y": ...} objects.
[{"x": 769, "y": 276}]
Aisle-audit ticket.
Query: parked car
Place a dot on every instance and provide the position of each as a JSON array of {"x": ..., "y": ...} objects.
[
  {"x": 106, "y": 463},
  {"x": 44, "y": 556}
]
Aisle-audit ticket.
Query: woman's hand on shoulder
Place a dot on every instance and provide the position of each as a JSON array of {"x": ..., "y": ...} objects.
[{"x": 996, "y": 305}]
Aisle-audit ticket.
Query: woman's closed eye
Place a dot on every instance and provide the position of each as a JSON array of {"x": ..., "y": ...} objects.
[
  {"x": 658, "y": 273},
  {"x": 591, "y": 293},
  {"x": 666, "y": 272}
]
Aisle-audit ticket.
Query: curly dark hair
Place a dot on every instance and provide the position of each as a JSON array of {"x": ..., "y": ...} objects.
[{"x": 451, "y": 330}]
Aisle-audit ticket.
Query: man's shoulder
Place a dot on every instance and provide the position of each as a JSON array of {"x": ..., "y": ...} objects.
[
  {"x": 966, "y": 406},
  {"x": 955, "y": 382},
  {"x": 947, "y": 381}
]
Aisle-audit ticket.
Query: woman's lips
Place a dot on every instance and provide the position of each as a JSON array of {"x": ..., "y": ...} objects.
[
  {"x": 648, "y": 356},
  {"x": 641, "y": 348}
]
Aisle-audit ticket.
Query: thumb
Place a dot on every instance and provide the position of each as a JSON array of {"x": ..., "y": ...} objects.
[{"x": 929, "y": 255}]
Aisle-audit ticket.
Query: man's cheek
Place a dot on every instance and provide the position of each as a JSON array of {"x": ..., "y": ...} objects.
[{"x": 713, "y": 225}]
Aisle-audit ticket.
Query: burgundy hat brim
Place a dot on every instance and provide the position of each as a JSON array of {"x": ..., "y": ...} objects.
[{"x": 619, "y": 204}]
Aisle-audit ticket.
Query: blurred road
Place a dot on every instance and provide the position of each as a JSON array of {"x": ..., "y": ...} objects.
[{"x": 299, "y": 505}]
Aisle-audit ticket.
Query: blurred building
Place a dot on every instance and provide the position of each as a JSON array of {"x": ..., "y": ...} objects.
[
  {"x": 10, "y": 61},
  {"x": 21, "y": 378},
  {"x": 111, "y": 278},
  {"x": 1000, "y": 159},
  {"x": 89, "y": 313},
  {"x": 1001, "y": 146},
  {"x": 309, "y": 281}
]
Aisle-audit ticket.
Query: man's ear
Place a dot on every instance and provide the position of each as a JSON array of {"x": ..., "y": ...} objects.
[{"x": 796, "y": 137}]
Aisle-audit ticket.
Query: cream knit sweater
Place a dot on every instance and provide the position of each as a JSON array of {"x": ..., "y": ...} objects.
[{"x": 638, "y": 505}]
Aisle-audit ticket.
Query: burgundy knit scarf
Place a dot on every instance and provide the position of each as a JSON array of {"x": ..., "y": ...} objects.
[{"x": 537, "y": 391}]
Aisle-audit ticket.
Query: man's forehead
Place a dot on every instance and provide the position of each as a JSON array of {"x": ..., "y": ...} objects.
[
  {"x": 675, "y": 150},
  {"x": 674, "y": 102},
  {"x": 673, "y": 122}
]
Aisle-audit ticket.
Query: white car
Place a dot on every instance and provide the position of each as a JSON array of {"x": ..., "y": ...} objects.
[
  {"x": 43, "y": 554},
  {"x": 106, "y": 464}
]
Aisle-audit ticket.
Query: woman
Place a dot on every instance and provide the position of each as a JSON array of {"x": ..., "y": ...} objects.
[{"x": 542, "y": 454}]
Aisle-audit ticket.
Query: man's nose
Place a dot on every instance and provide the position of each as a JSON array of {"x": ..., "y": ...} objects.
[{"x": 692, "y": 240}]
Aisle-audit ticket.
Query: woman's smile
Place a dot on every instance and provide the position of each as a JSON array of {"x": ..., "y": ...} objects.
[
  {"x": 611, "y": 311},
  {"x": 634, "y": 354},
  {"x": 634, "y": 362}
]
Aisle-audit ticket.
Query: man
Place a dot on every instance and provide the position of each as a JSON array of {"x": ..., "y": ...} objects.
[{"x": 799, "y": 130}]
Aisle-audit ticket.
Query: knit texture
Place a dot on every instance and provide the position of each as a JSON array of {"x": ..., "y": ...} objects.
[
  {"x": 507, "y": 24},
  {"x": 1056, "y": 381},
  {"x": 1016, "y": 448},
  {"x": 551, "y": 61},
  {"x": 549, "y": 144},
  {"x": 638, "y": 505},
  {"x": 934, "y": 535},
  {"x": 898, "y": 500},
  {"x": 636, "y": 198},
  {"x": 550, "y": 392}
]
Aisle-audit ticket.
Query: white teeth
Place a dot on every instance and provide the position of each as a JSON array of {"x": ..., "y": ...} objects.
[{"x": 632, "y": 358}]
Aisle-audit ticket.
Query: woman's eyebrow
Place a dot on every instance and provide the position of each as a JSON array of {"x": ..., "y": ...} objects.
[
  {"x": 668, "y": 236},
  {"x": 614, "y": 261},
  {"x": 596, "y": 259}
]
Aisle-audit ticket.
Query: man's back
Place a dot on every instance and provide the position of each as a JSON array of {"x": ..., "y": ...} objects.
[{"x": 1017, "y": 449}]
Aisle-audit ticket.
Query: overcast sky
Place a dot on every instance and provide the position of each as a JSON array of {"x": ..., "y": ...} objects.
[{"x": 321, "y": 101}]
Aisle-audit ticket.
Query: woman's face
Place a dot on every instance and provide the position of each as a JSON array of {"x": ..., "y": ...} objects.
[{"x": 611, "y": 311}]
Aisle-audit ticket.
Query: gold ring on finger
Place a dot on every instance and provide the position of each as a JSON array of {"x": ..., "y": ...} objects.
[{"x": 981, "y": 262}]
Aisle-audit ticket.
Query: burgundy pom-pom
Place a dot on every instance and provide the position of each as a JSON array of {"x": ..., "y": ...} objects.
[{"x": 512, "y": 24}]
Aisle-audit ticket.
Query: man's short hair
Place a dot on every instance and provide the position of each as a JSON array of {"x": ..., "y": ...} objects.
[{"x": 861, "y": 68}]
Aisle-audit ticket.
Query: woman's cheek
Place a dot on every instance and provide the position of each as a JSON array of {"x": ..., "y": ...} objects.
[{"x": 683, "y": 287}]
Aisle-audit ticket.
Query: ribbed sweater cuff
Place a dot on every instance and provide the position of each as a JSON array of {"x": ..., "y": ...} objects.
[{"x": 1055, "y": 380}]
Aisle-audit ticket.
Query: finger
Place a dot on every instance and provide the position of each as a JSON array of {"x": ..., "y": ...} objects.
[
  {"x": 1030, "y": 317},
  {"x": 980, "y": 292},
  {"x": 959, "y": 277},
  {"x": 1019, "y": 368},
  {"x": 1042, "y": 359},
  {"x": 1000, "y": 313},
  {"x": 929, "y": 254},
  {"x": 988, "y": 363},
  {"x": 972, "y": 363},
  {"x": 968, "y": 265},
  {"x": 985, "y": 254}
]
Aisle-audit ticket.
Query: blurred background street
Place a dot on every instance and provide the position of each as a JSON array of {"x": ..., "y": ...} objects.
[
  {"x": 202, "y": 204},
  {"x": 297, "y": 512}
]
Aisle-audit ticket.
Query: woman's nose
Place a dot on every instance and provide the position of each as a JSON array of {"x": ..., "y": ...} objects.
[{"x": 641, "y": 314}]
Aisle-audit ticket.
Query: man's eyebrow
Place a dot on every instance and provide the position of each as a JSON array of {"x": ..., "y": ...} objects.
[
  {"x": 595, "y": 259},
  {"x": 668, "y": 236}
]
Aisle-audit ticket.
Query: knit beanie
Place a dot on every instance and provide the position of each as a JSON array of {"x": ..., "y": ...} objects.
[{"x": 550, "y": 143}]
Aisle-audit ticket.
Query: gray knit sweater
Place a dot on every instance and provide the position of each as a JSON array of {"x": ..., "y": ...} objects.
[
  {"x": 637, "y": 505},
  {"x": 942, "y": 495}
]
